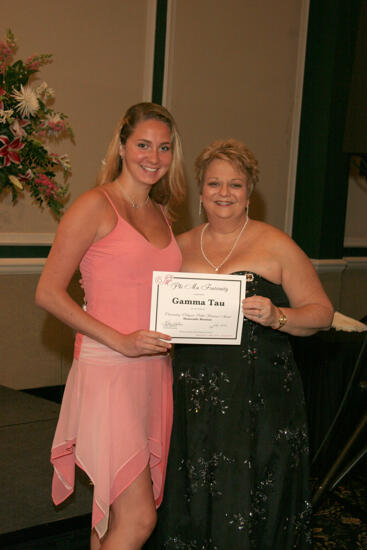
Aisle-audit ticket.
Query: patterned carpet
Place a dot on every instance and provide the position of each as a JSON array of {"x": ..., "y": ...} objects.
[{"x": 340, "y": 519}]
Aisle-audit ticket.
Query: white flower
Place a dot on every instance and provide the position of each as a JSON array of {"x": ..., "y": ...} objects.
[
  {"x": 54, "y": 124},
  {"x": 54, "y": 118},
  {"x": 27, "y": 101},
  {"x": 65, "y": 163},
  {"x": 5, "y": 116},
  {"x": 17, "y": 128},
  {"x": 44, "y": 90},
  {"x": 41, "y": 88}
]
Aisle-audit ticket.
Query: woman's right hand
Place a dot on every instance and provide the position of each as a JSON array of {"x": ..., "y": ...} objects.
[{"x": 145, "y": 342}]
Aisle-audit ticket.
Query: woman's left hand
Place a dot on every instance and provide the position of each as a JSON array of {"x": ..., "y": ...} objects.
[{"x": 261, "y": 310}]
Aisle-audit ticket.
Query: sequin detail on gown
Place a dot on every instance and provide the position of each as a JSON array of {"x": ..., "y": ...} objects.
[{"x": 238, "y": 466}]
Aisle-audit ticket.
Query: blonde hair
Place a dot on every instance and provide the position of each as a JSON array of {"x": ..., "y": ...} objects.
[
  {"x": 233, "y": 151},
  {"x": 170, "y": 189}
]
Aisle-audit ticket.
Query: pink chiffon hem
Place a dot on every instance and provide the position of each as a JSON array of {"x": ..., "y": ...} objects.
[{"x": 115, "y": 419}]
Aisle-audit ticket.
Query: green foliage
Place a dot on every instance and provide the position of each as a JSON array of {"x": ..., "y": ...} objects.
[{"x": 27, "y": 124}]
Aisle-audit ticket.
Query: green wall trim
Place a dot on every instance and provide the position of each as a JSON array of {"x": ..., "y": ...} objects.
[
  {"x": 322, "y": 169},
  {"x": 355, "y": 252},
  {"x": 15, "y": 251},
  {"x": 159, "y": 51}
]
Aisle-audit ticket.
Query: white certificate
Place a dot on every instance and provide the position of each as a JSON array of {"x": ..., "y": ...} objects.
[{"x": 197, "y": 308}]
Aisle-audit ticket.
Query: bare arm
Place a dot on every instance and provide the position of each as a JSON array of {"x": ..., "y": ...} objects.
[
  {"x": 83, "y": 224},
  {"x": 310, "y": 309}
]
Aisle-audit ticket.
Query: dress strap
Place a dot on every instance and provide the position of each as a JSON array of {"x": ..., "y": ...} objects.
[
  {"x": 165, "y": 217},
  {"x": 110, "y": 201},
  {"x": 119, "y": 216}
]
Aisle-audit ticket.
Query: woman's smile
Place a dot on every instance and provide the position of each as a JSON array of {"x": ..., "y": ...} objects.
[
  {"x": 224, "y": 189},
  {"x": 147, "y": 155}
]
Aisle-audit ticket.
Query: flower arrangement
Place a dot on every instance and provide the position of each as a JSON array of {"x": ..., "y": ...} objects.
[{"x": 27, "y": 123}]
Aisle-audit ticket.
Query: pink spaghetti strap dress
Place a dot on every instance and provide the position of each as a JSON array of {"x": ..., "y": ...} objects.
[{"x": 116, "y": 414}]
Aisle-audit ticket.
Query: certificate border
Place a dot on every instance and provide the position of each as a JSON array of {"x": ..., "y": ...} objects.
[{"x": 207, "y": 338}]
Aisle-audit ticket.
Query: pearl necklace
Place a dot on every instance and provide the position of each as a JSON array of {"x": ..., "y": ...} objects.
[
  {"x": 130, "y": 200},
  {"x": 217, "y": 267}
]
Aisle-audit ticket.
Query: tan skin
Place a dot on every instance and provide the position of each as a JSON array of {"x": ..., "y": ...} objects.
[
  {"x": 262, "y": 249},
  {"x": 146, "y": 158}
]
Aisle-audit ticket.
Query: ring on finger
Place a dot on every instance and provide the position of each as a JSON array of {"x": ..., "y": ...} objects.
[{"x": 260, "y": 315}]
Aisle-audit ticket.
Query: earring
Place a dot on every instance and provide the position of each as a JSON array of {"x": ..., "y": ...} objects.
[{"x": 200, "y": 205}]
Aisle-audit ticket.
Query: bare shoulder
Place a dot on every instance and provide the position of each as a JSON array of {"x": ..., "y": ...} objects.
[
  {"x": 186, "y": 240},
  {"x": 88, "y": 203},
  {"x": 276, "y": 240},
  {"x": 83, "y": 220},
  {"x": 287, "y": 259},
  {"x": 263, "y": 229}
]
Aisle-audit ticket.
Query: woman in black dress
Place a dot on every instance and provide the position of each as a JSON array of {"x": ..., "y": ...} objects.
[{"x": 238, "y": 467}]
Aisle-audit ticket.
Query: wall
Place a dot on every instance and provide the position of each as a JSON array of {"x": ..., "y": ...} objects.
[
  {"x": 99, "y": 68},
  {"x": 103, "y": 56},
  {"x": 232, "y": 69},
  {"x": 345, "y": 282},
  {"x": 37, "y": 349}
]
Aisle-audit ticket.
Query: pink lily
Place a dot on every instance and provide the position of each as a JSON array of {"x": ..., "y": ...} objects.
[
  {"x": 17, "y": 127},
  {"x": 10, "y": 150},
  {"x": 25, "y": 177}
]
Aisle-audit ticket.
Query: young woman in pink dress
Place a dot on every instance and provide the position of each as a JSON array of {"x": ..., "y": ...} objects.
[{"x": 116, "y": 415}]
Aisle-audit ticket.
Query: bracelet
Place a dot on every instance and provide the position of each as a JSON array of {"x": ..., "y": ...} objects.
[{"x": 282, "y": 319}]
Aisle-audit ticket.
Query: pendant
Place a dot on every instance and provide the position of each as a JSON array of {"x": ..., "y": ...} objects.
[{"x": 216, "y": 269}]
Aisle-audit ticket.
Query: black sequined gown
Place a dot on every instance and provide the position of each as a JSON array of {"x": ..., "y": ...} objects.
[{"x": 237, "y": 474}]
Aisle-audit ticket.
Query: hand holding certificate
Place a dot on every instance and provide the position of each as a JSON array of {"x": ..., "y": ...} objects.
[{"x": 198, "y": 308}]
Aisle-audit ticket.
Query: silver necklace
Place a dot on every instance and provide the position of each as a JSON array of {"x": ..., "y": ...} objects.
[
  {"x": 217, "y": 267},
  {"x": 130, "y": 200}
]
